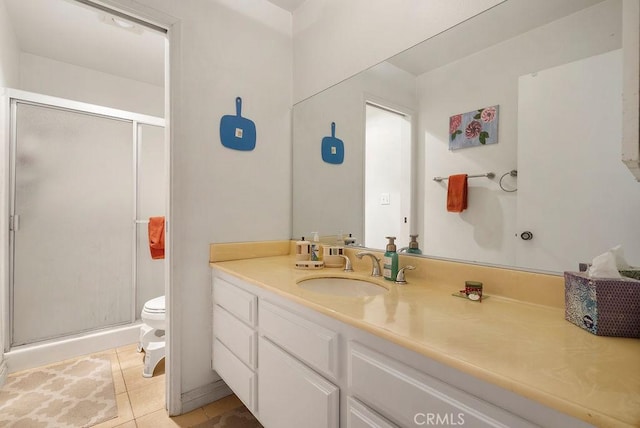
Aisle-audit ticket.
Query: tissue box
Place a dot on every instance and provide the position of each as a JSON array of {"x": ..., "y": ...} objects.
[
  {"x": 631, "y": 273},
  {"x": 603, "y": 306}
]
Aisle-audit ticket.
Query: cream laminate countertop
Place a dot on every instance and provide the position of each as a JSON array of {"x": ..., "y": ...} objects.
[{"x": 526, "y": 348}]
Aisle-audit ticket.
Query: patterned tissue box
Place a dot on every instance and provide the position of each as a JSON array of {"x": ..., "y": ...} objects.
[
  {"x": 603, "y": 306},
  {"x": 631, "y": 273}
]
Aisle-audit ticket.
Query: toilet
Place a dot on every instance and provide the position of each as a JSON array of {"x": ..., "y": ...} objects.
[{"x": 152, "y": 334}]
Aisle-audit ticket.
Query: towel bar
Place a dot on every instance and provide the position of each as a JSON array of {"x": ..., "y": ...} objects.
[{"x": 488, "y": 175}]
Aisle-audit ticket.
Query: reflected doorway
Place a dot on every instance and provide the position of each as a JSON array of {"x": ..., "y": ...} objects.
[{"x": 387, "y": 182}]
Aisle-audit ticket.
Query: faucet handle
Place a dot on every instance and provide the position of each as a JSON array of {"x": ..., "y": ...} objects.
[{"x": 400, "y": 277}]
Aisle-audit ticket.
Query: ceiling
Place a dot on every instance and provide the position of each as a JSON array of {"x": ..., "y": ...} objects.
[
  {"x": 70, "y": 32},
  {"x": 67, "y": 31},
  {"x": 500, "y": 23},
  {"x": 290, "y": 5},
  {"x": 73, "y": 33}
]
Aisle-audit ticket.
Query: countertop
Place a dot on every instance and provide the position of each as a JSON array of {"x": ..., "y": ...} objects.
[{"x": 526, "y": 348}]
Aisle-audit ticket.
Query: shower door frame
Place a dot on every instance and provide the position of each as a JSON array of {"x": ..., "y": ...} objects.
[{"x": 15, "y": 97}]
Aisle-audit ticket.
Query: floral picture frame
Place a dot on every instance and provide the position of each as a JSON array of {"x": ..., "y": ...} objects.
[{"x": 474, "y": 128}]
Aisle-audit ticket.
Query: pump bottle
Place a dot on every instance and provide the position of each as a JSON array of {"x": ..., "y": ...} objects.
[
  {"x": 413, "y": 245},
  {"x": 390, "y": 271}
]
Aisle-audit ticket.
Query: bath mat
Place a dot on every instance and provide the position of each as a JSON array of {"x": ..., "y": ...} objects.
[
  {"x": 77, "y": 393},
  {"x": 239, "y": 417}
]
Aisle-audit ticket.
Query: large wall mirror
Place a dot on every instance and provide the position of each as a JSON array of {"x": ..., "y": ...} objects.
[{"x": 554, "y": 68}]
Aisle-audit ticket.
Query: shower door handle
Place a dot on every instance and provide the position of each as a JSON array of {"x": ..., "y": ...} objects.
[{"x": 14, "y": 223}]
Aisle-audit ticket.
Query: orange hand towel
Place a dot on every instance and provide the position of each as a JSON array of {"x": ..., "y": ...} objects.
[
  {"x": 457, "y": 193},
  {"x": 156, "y": 237}
]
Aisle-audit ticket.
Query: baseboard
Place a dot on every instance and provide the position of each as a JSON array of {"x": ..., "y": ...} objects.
[
  {"x": 43, "y": 353},
  {"x": 204, "y": 395},
  {"x": 4, "y": 371}
]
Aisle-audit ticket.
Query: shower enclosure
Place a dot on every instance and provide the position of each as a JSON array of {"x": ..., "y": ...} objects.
[{"x": 83, "y": 181}]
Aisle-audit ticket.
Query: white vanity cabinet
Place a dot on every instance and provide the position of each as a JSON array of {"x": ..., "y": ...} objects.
[
  {"x": 295, "y": 367},
  {"x": 234, "y": 353},
  {"x": 282, "y": 376}
]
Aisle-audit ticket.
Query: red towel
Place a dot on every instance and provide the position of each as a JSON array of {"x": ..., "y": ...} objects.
[
  {"x": 156, "y": 237},
  {"x": 457, "y": 193}
]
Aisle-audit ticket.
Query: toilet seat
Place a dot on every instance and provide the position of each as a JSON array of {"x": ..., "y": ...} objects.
[
  {"x": 154, "y": 306},
  {"x": 153, "y": 313}
]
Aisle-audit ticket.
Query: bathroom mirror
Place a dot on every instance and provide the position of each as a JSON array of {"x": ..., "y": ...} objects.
[{"x": 554, "y": 68}]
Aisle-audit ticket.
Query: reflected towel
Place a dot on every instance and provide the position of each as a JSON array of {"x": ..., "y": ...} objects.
[
  {"x": 156, "y": 237},
  {"x": 457, "y": 193}
]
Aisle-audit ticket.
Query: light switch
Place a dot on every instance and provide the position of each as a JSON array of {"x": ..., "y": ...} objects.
[{"x": 385, "y": 199}]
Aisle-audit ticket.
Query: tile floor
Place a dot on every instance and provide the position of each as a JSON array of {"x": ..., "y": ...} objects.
[{"x": 141, "y": 401}]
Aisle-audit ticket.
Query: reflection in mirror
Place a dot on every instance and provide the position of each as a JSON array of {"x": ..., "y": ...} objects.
[{"x": 554, "y": 68}]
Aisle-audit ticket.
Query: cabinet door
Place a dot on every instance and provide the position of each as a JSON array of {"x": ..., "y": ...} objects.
[{"x": 290, "y": 394}]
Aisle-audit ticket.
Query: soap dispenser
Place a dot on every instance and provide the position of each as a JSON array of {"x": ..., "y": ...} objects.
[
  {"x": 413, "y": 245},
  {"x": 390, "y": 270}
]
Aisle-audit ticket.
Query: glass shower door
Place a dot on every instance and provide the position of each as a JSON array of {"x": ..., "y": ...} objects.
[{"x": 73, "y": 207}]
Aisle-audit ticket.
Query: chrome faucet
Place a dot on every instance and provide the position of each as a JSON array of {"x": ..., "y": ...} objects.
[
  {"x": 400, "y": 277},
  {"x": 375, "y": 262},
  {"x": 347, "y": 263}
]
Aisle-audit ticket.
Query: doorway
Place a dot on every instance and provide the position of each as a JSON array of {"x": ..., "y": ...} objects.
[
  {"x": 100, "y": 84},
  {"x": 387, "y": 181}
]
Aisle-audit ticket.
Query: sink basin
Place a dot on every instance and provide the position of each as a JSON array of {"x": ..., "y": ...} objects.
[{"x": 342, "y": 287}]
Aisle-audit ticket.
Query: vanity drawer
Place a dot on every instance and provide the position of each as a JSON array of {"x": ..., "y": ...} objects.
[
  {"x": 240, "y": 303},
  {"x": 418, "y": 397},
  {"x": 360, "y": 416},
  {"x": 235, "y": 335},
  {"x": 315, "y": 345},
  {"x": 239, "y": 377}
]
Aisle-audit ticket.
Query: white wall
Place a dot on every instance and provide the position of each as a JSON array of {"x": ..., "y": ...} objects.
[
  {"x": 9, "y": 52},
  {"x": 335, "y": 39},
  {"x": 59, "y": 79},
  {"x": 226, "y": 49},
  {"x": 485, "y": 232}
]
